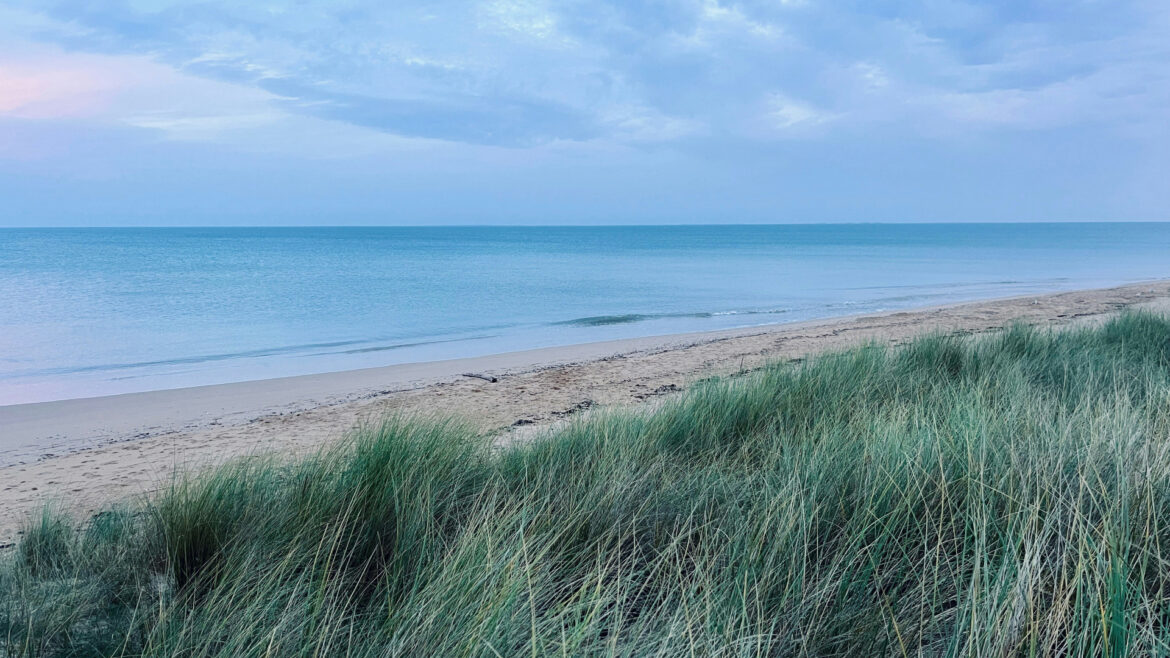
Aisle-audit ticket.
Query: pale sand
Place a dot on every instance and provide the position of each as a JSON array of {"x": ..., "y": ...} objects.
[{"x": 93, "y": 451}]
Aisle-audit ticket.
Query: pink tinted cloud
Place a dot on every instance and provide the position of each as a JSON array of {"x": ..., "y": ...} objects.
[{"x": 61, "y": 86}]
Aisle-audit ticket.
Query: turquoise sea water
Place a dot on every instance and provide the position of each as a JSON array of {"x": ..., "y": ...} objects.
[{"x": 87, "y": 312}]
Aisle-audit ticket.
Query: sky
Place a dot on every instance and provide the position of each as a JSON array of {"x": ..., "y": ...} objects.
[{"x": 157, "y": 112}]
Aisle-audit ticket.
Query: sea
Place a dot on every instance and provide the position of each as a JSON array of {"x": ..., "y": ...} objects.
[{"x": 102, "y": 311}]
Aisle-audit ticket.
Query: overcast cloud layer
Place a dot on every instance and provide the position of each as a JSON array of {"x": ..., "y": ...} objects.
[{"x": 512, "y": 111}]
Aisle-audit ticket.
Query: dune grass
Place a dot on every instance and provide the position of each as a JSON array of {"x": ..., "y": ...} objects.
[{"x": 1004, "y": 495}]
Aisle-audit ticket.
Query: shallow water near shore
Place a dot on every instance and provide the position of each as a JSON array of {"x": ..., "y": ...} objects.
[{"x": 87, "y": 312}]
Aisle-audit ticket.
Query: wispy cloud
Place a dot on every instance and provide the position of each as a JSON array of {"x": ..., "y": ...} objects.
[
  {"x": 787, "y": 114},
  {"x": 528, "y": 19}
]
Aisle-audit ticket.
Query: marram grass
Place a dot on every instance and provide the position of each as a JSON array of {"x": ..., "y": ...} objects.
[{"x": 998, "y": 496}]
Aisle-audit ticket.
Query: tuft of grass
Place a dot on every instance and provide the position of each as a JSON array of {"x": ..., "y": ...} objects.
[
  {"x": 47, "y": 544},
  {"x": 1001, "y": 495}
]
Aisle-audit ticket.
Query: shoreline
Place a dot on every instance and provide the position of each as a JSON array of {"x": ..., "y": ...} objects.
[
  {"x": 94, "y": 450},
  {"x": 32, "y": 431}
]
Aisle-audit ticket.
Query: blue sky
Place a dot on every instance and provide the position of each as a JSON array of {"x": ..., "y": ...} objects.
[{"x": 521, "y": 111}]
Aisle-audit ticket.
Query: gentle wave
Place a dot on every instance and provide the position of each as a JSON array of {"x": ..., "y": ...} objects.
[
  {"x": 605, "y": 320},
  {"x": 205, "y": 358},
  {"x": 399, "y": 346},
  {"x": 630, "y": 318},
  {"x": 954, "y": 285}
]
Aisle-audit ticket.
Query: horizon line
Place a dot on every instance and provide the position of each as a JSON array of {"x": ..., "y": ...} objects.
[{"x": 600, "y": 225}]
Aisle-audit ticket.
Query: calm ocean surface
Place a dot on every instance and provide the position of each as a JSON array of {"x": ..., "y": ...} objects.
[{"x": 88, "y": 312}]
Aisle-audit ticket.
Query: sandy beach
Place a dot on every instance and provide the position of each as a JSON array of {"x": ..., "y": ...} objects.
[{"x": 90, "y": 452}]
